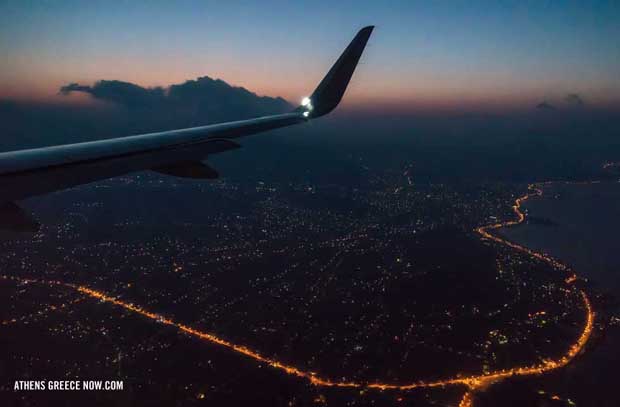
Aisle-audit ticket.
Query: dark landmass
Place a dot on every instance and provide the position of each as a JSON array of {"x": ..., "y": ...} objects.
[{"x": 379, "y": 286}]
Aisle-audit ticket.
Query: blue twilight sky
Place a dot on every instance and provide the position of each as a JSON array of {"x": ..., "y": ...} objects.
[{"x": 428, "y": 54}]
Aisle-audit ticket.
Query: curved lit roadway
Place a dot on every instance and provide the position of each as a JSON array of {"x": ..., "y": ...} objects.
[{"x": 471, "y": 383}]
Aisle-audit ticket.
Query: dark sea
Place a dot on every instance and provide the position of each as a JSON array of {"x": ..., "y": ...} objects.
[{"x": 578, "y": 224}]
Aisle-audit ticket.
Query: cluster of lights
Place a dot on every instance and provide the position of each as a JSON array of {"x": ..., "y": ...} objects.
[
  {"x": 533, "y": 190},
  {"x": 473, "y": 383},
  {"x": 467, "y": 400},
  {"x": 307, "y": 104}
]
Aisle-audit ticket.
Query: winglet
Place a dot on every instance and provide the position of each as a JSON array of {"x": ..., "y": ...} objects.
[{"x": 328, "y": 94}]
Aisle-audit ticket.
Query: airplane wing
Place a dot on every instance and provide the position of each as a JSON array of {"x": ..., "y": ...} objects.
[{"x": 28, "y": 173}]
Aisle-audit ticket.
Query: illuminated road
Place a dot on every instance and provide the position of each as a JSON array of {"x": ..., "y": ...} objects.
[{"x": 470, "y": 383}]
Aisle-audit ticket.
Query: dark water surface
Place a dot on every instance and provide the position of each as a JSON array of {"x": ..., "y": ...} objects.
[{"x": 578, "y": 224}]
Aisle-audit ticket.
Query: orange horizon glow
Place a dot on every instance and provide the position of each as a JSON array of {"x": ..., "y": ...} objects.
[
  {"x": 33, "y": 78},
  {"x": 410, "y": 101}
]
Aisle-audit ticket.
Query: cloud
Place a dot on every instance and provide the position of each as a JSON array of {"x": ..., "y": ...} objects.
[
  {"x": 129, "y": 109},
  {"x": 574, "y": 99},
  {"x": 203, "y": 97}
]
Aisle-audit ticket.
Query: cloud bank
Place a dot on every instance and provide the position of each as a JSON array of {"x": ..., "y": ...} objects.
[{"x": 204, "y": 99}]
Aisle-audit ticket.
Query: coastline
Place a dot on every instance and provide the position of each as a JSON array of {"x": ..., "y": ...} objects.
[{"x": 576, "y": 222}]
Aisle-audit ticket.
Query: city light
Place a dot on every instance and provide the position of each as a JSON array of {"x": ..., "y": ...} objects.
[{"x": 471, "y": 383}]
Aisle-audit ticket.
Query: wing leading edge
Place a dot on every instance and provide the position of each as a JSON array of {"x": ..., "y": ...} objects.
[{"x": 38, "y": 171}]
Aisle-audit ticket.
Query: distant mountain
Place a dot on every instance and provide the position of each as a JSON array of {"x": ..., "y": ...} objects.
[{"x": 545, "y": 106}]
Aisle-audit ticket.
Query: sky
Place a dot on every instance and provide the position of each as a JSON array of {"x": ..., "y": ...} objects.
[{"x": 423, "y": 54}]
